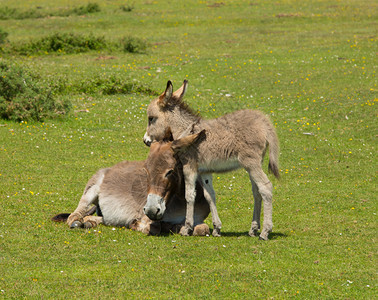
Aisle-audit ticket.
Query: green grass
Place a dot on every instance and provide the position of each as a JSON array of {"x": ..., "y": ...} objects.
[{"x": 310, "y": 66}]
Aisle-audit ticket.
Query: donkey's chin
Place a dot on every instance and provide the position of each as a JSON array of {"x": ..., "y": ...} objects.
[{"x": 155, "y": 217}]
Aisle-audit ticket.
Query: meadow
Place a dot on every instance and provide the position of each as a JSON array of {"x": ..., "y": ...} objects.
[{"x": 309, "y": 65}]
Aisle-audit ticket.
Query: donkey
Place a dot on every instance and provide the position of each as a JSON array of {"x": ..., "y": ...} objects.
[
  {"x": 238, "y": 139},
  {"x": 120, "y": 193}
]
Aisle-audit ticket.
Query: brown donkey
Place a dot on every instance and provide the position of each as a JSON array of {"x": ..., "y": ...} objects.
[
  {"x": 119, "y": 193},
  {"x": 238, "y": 139}
]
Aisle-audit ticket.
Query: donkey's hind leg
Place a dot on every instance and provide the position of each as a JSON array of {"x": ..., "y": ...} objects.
[
  {"x": 265, "y": 189},
  {"x": 90, "y": 196},
  {"x": 92, "y": 221},
  {"x": 256, "y": 210}
]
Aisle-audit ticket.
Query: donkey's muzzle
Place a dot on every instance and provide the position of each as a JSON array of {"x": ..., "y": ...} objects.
[
  {"x": 147, "y": 140},
  {"x": 155, "y": 207}
]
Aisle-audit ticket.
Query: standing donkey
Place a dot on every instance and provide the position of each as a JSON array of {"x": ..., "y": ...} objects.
[{"x": 238, "y": 139}]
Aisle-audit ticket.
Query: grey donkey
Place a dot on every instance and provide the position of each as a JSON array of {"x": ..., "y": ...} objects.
[{"x": 235, "y": 140}]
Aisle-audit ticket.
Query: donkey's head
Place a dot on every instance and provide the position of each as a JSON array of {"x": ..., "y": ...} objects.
[
  {"x": 164, "y": 171},
  {"x": 158, "y": 113}
]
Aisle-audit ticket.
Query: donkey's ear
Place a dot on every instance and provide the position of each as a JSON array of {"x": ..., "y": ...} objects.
[
  {"x": 179, "y": 94},
  {"x": 164, "y": 98},
  {"x": 183, "y": 143}
]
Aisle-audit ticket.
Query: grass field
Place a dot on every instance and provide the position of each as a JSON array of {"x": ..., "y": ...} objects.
[{"x": 310, "y": 65}]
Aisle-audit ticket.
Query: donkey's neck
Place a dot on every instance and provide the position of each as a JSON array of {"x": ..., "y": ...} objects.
[{"x": 182, "y": 122}]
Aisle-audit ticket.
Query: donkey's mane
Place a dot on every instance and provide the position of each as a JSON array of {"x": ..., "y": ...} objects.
[{"x": 177, "y": 102}]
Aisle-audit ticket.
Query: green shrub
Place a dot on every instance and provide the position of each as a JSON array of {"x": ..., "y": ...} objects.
[
  {"x": 126, "y": 7},
  {"x": 133, "y": 45},
  {"x": 62, "y": 42},
  {"x": 105, "y": 84},
  {"x": 76, "y": 43},
  {"x": 22, "y": 98},
  {"x": 7, "y": 13},
  {"x": 88, "y": 9},
  {"x": 3, "y": 36}
]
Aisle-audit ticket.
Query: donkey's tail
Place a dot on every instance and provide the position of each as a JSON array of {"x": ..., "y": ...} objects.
[
  {"x": 63, "y": 217},
  {"x": 274, "y": 152}
]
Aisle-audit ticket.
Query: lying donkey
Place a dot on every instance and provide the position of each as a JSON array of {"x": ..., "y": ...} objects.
[
  {"x": 235, "y": 140},
  {"x": 120, "y": 193}
]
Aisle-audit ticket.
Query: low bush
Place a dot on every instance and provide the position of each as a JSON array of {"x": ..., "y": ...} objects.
[
  {"x": 7, "y": 13},
  {"x": 77, "y": 43},
  {"x": 126, "y": 7},
  {"x": 88, "y": 9},
  {"x": 133, "y": 45},
  {"x": 105, "y": 84},
  {"x": 22, "y": 97},
  {"x": 3, "y": 36},
  {"x": 61, "y": 42}
]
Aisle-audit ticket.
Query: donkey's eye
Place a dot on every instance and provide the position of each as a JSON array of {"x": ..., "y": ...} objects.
[
  {"x": 169, "y": 173},
  {"x": 150, "y": 120}
]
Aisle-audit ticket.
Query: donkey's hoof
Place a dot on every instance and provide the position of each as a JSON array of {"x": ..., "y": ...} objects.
[
  {"x": 185, "y": 231},
  {"x": 87, "y": 225},
  {"x": 216, "y": 232},
  {"x": 76, "y": 224},
  {"x": 253, "y": 233},
  {"x": 263, "y": 237}
]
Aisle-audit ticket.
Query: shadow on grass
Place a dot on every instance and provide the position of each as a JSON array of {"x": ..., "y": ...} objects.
[{"x": 272, "y": 236}]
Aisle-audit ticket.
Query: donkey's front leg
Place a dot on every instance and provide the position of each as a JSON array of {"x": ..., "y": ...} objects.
[
  {"x": 209, "y": 193},
  {"x": 190, "y": 195}
]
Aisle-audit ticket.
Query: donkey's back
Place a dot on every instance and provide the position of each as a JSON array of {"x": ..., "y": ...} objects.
[{"x": 234, "y": 137}]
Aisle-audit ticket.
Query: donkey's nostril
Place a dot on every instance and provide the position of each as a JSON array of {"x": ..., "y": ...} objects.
[{"x": 158, "y": 210}]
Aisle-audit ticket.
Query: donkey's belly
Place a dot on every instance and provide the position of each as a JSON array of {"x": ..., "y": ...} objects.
[
  {"x": 118, "y": 212},
  {"x": 219, "y": 166}
]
